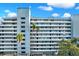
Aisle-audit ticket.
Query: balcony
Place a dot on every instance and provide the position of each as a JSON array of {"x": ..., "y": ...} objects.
[
  {"x": 45, "y": 39},
  {"x": 50, "y": 21},
  {"x": 44, "y": 43},
  {"x": 44, "y": 46},
  {"x": 49, "y": 32},
  {"x": 43, "y": 50}
]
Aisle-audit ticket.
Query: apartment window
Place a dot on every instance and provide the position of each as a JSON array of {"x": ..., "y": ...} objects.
[
  {"x": 24, "y": 35},
  {"x": 13, "y": 41},
  {"x": 14, "y": 34},
  {"x": 15, "y": 30},
  {"x": 15, "y": 48},
  {"x": 37, "y": 38},
  {"x": 68, "y": 23},
  {"x": 22, "y": 17},
  {"x": 2, "y": 37},
  {"x": 67, "y": 30},
  {"x": 14, "y": 23},
  {"x": 1, "y": 48},
  {"x": 1, "y": 45},
  {"x": 22, "y": 43},
  {"x": 22, "y": 22},
  {"x": 23, "y": 48},
  {"x": 22, "y": 30},
  {"x": 23, "y": 52},
  {"x": 68, "y": 37},
  {"x": 2, "y": 26},
  {"x": 14, "y": 37},
  {"x": 23, "y": 39},
  {"x": 15, "y": 27},
  {"x": 2, "y": 30},
  {"x": 22, "y": 26},
  {"x": 15, "y": 45}
]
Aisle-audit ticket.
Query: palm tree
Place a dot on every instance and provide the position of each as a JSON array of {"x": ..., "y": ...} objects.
[
  {"x": 20, "y": 38},
  {"x": 67, "y": 48},
  {"x": 34, "y": 27},
  {"x": 74, "y": 40}
]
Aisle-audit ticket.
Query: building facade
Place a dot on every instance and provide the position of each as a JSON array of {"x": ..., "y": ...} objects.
[
  {"x": 8, "y": 32},
  {"x": 75, "y": 23},
  {"x": 23, "y": 25},
  {"x": 51, "y": 31},
  {"x": 44, "y": 41},
  {"x": 10, "y": 27}
]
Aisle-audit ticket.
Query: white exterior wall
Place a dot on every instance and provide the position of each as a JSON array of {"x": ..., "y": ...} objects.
[
  {"x": 51, "y": 31},
  {"x": 75, "y": 23},
  {"x": 42, "y": 42},
  {"x": 24, "y": 16},
  {"x": 8, "y": 32}
]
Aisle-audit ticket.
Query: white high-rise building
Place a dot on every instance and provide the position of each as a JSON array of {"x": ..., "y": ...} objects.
[
  {"x": 8, "y": 32},
  {"x": 10, "y": 27},
  {"x": 23, "y": 25},
  {"x": 44, "y": 41}
]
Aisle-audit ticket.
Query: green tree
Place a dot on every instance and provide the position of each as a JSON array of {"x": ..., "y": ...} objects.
[
  {"x": 74, "y": 41},
  {"x": 35, "y": 28},
  {"x": 19, "y": 38},
  {"x": 67, "y": 48}
]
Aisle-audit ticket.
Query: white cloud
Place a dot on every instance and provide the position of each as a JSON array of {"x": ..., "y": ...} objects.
[
  {"x": 62, "y": 5},
  {"x": 47, "y": 8},
  {"x": 67, "y": 15},
  {"x": 77, "y": 7},
  {"x": 6, "y": 11},
  {"x": 11, "y": 14},
  {"x": 55, "y": 14}
]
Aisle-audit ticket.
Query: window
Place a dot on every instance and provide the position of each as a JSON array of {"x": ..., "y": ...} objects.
[
  {"x": 68, "y": 37},
  {"x": 2, "y": 41},
  {"x": 2, "y": 37},
  {"x": 23, "y": 39},
  {"x": 22, "y": 26},
  {"x": 2, "y": 26},
  {"x": 14, "y": 37},
  {"x": 13, "y": 41},
  {"x": 23, "y": 52},
  {"x": 15, "y": 48},
  {"x": 15, "y": 27},
  {"x": 15, "y": 30},
  {"x": 22, "y": 17},
  {"x": 14, "y": 34},
  {"x": 23, "y": 34},
  {"x": 15, "y": 45},
  {"x": 22, "y": 43},
  {"x": 23, "y": 48},
  {"x": 1, "y": 48},
  {"x": 22, "y": 22},
  {"x": 22, "y": 30}
]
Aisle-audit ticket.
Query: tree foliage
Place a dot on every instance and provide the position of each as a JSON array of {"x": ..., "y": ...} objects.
[
  {"x": 68, "y": 48},
  {"x": 35, "y": 27},
  {"x": 20, "y": 37}
]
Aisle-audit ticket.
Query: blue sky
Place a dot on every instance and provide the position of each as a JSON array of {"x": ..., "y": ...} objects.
[{"x": 41, "y": 9}]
